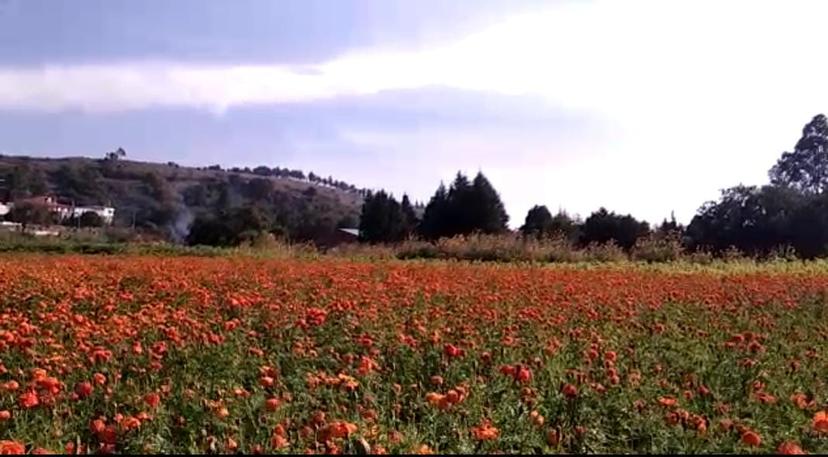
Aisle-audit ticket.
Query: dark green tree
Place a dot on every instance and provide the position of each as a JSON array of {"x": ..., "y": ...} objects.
[
  {"x": 464, "y": 209},
  {"x": 603, "y": 226},
  {"x": 538, "y": 222},
  {"x": 409, "y": 216},
  {"x": 91, "y": 219},
  {"x": 381, "y": 220},
  {"x": 27, "y": 213},
  {"x": 435, "y": 217},
  {"x": 806, "y": 168},
  {"x": 487, "y": 213}
]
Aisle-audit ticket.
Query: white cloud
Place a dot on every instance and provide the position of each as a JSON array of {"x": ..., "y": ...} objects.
[{"x": 705, "y": 93}]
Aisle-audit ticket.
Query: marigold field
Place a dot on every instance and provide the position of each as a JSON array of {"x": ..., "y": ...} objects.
[{"x": 222, "y": 355}]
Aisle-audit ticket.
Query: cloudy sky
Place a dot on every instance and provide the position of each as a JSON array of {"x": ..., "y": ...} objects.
[{"x": 641, "y": 106}]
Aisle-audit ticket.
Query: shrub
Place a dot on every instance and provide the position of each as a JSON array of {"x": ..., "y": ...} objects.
[{"x": 657, "y": 248}]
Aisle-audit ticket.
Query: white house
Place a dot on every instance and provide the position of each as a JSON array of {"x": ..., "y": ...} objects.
[
  {"x": 107, "y": 213},
  {"x": 64, "y": 211}
]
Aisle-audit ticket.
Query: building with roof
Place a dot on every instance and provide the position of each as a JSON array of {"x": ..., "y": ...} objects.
[{"x": 66, "y": 210}]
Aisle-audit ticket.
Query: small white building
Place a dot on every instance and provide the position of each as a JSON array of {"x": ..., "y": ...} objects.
[
  {"x": 4, "y": 209},
  {"x": 65, "y": 211},
  {"x": 107, "y": 213}
]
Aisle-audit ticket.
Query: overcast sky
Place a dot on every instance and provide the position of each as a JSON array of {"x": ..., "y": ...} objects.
[{"x": 640, "y": 106}]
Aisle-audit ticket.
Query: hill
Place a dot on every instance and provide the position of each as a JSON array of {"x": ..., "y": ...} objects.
[{"x": 167, "y": 198}]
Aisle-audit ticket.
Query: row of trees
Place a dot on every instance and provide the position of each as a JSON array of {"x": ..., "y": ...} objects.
[
  {"x": 464, "y": 207},
  {"x": 279, "y": 172},
  {"x": 792, "y": 211}
]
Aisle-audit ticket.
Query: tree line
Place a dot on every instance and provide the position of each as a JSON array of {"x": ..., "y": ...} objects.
[{"x": 790, "y": 212}]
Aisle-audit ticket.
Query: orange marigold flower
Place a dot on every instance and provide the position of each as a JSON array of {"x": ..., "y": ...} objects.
[
  {"x": 279, "y": 441},
  {"x": 667, "y": 401},
  {"x": 485, "y": 431},
  {"x": 553, "y": 437},
  {"x": 789, "y": 448},
  {"x": 423, "y": 450},
  {"x": 523, "y": 375},
  {"x": 751, "y": 438},
  {"x": 272, "y": 404},
  {"x": 152, "y": 399},
  {"x": 11, "y": 448},
  {"x": 28, "y": 400},
  {"x": 84, "y": 389},
  {"x": 570, "y": 391},
  {"x": 820, "y": 422},
  {"x": 130, "y": 423}
]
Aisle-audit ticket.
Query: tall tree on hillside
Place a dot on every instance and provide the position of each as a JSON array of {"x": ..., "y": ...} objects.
[
  {"x": 538, "y": 222},
  {"x": 435, "y": 216},
  {"x": 381, "y": 220},
  {"x": 488, "y": 215},
  {"x": 24, "y": 181},
  {"x": 466, "y": 207},
  {"x": 410, "y": 220},
  {"x": 806, "y": 168}
]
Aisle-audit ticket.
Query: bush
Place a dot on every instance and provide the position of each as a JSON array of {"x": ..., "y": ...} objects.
[
  {"x": 604, "y": 252},
  {"x": 657, "y": 248}
]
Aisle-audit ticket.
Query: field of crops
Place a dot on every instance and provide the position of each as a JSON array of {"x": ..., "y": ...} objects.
[{"x": 225, "y": 355}]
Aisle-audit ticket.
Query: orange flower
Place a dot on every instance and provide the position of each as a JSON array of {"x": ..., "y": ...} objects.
[
  {"x": 423, "y": 450},
  {"x": 553, "y": 437},
  {"x": 11, "y": 448},
  {"x": 751, "y": 438},
  {"x": 801, "y": 400},
  {"x": 272, "y": 404},
  {"x": 28, "y": 400},
  {"x": 523, "y": 375},
  {"x": 152, "y": 399},
  {"x": 570, "y": 391},
  {"x": 130, "y": 423},
  {"x": 279, "y": 442},
  {"x": 789, "y": 448},
  {"x": 485, "y": 431},
  {"x": 83, "y": 389},
  {"x": 667, "y": 401},
  {"x": 820, "y": 422}
]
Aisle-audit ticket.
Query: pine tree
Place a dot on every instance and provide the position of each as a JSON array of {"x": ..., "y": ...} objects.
[
  {"x": 381, "y": 220},
  {"x": 434, "y": 223},
  {"x": 409, "y": 217},
  {"x": 487, "y": 212}
]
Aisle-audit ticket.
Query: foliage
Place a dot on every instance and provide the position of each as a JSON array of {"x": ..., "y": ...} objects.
[
  {"x": 603, "y": 226},
  {"x": 385, "y": 220},
  {"x": 463, "y": 209},
  {"x": 806, "y": 168},
  {"x": 538, "y": 222},
  {"x": 229, "y": 228},
  {"x": 27, "y": 213}
]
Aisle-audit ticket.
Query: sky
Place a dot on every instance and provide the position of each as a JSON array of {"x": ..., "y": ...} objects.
[{"x": 643, "y": 106}]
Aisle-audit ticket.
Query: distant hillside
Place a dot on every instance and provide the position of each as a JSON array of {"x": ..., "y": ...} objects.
[{"x": 167, "y": 197}]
